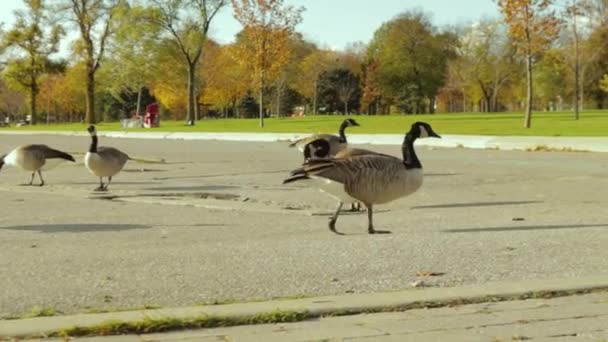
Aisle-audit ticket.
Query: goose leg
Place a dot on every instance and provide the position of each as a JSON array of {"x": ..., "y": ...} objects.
[
  {"x": 108, "y": 183},
  {"x": 32, "y": 179},
  {"x": 334, "y": 218},
  {"x": 355, "y": 206},
  {"x": 101, "y": 186},
  {"x": 41, "y": 180},
  {"x": 370, "y": 227}
]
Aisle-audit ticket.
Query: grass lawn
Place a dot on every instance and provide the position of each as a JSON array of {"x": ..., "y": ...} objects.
[{"x": 592, "y": 123}]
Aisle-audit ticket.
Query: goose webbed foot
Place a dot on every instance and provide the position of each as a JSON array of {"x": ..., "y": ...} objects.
[
  {"x": 370, "y": 223},
  {"x": 332, "y": 227},
  {"x": 374, "y": 231},
  {"x": 101, "y": 188}
]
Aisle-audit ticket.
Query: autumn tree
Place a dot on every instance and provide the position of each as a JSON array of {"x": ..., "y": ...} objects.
[
  {"x": 94, "y": 20},
  {"x": 187, "y": 23},
  {"x": 532, "y": 27},
  {"x": 267, "y": 28},
  {"x": 226, "y": 81},
  {"x": 339, "y": 90},
  {"x": 309, "y": 70},
  {"x": 11, "y": 102},
  {"x": 489, "y": 60},
  {"x": 134, "y": 52},
  {"x": 34, "y": 38},
  {"x": 573, "y": 11},
  {"x": 604, "y": 83},
  {"x": 412, "y": 60}
]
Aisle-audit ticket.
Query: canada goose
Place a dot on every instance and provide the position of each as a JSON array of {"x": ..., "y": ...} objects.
[
  {"x": 320, "y": 149},
  {"x": 336, "y": 143},
  {"x": 103, "y": 161},
  {"x": 368, "y": 178},
  {"x": 33, "y": 158}
]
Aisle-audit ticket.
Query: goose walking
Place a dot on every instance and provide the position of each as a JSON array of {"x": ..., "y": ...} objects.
[
  {"x": 336, "y": 142},
  {"x": 320, "y": 149},
  {"x": 103, "y": 161},
  {"x": 33, "y": 158},
  {"x": 367, "y": 178}
]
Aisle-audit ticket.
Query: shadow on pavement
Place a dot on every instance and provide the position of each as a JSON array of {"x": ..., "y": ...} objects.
[
  {"x": 473, "y": 204},
  {"x": 525, "y": 228},
  {"x": 192, "y": 188},
  {"x": 77, "y": 228}
]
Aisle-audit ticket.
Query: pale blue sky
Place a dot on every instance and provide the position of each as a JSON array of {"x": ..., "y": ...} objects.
[{"x": 335, "y": 23}]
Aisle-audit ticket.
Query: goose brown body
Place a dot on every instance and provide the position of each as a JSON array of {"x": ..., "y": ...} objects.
[
  {"x": 33, "y": 158},
  {"x": 365, "y": 176}
]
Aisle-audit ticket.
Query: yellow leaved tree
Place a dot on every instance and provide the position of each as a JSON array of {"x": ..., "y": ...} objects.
[
  {"x": 533, "y": 26},
  {"x": 263, "y": 44}
]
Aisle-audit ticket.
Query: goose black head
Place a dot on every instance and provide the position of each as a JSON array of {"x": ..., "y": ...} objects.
[
  {"x": 421, "y": 130},
  {"x": 2, "y": 161},
  {"x": 316, "y": 149},
  {"x": 349, "y": 122},
  {"x": 91, "y": 130}
]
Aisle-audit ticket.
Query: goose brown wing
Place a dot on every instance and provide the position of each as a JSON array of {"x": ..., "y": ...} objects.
[
  {"x": 111, "y": 153},
  {"x": 302, "y": 142},
  {"x": 45, "y": 152},
  {"x": 348, "y": 169}
]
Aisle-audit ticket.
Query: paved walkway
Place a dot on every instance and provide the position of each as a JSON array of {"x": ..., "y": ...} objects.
[
  {"x": 496, "y": 315},
  {"x": 592, "y": 144},
  {"x": 581, "y": 318}
]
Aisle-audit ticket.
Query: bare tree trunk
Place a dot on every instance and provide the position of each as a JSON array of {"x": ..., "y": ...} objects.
[
  {"x": 90, "y": 98},
  {"x": 279, "y": 101},
  {"x": 314, "y": 100},
  {"x": 197, "y": 107},
  {"x": 190, "y": 111},
  {"x": 582, "y": 90},
  {"x": 576, "y": 64},
  {"x": 261, "y": 106},
  {"x": 33, "y": 109},
  {"x": 138, "y": 108},
  {"x": 529, "y": 93}
]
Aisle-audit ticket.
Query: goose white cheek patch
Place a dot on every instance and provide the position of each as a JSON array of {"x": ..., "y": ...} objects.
[{"x": 423, "y": 132}]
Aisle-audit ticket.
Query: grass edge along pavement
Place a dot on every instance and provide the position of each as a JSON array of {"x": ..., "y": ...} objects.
[
  {"x": 592, "y": 123},
  {"x": 294, "y": 310}
]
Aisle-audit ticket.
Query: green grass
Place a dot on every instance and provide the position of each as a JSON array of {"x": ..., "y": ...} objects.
[
  {"x": 151, "y": 325},
  {"x": 592, "y": 123}
]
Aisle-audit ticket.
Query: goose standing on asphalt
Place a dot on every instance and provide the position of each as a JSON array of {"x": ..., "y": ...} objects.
[
  {"x": 367, "y": 178},
  {"x": 320, "y": 149},
  {"x": 33, "y": 158},
  {"x": 103, "y": 161},
  {"x": 336, "y": 142}
]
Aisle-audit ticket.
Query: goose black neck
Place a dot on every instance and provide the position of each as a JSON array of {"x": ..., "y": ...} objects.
[
  {"x": 410, "y": 159},
  {"x": 341, "y": 132},
  {"x": 93, "y": 148}
]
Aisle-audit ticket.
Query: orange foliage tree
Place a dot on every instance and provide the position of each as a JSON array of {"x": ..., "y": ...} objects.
[
  {"x": 265, "y": 39},
  {"x": 309, "y": 70},
  {"x": 533, "y": 26},
  {"x": 225, "y": 81}
]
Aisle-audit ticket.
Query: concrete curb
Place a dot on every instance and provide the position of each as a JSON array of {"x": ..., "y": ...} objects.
[
  {"x": 319, "y": 306},
  {"x": 592, "y": 144}
]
